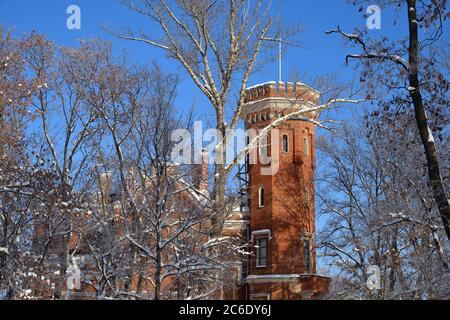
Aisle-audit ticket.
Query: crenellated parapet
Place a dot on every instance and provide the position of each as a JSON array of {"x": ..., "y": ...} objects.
[
  {"x": 270, "y": 100},
  {"x": 289, "y": 90}
]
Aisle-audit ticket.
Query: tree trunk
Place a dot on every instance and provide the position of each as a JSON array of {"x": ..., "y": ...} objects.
[
  {"x": 220, "y": 180},
  {"x": 3, "y": 243},
  {"x": 422, "y": 121},
  {"x": 158, "y": 273}
]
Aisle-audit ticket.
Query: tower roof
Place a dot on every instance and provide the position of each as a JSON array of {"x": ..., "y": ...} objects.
[{"x": 281, "y": 95}]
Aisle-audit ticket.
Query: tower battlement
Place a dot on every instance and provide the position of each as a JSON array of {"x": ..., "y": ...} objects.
[
  {"x": 269, "y": 100},
  {"x": 286, "y": 90}
]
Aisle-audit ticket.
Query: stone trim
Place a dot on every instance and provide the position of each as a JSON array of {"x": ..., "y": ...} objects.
[
  {"x": 270, "y": 278},
  {"x": 260, "y": 295},
  {"x": 262, "y": 232}
]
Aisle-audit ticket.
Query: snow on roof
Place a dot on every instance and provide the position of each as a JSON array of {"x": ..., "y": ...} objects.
[
  {"x": 261, "y": 84},
  {"x": 282, "y": 82}
]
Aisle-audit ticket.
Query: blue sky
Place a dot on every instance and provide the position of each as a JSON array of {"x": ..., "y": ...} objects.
[{"x": 318, "y": 55}]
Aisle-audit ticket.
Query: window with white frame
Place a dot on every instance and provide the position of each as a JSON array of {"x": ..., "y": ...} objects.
[
  {"x": 261, "y": 200},
  {"x": 261, "y": 252}
]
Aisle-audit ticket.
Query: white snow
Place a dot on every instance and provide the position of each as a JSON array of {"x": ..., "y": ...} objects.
[
  {"x": 430, "y": 136},
  {"x": 260, "y": 84},
  {"x": 4, "y": 250},
  {"x": 27, "y": 292},
  {"x": 398, "y": 215}
]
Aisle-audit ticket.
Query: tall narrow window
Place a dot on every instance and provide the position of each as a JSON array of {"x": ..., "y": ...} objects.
[
  {"x": 247, "y": 157},
  {"x": 307, "y": 255},
  {"x": 285, "y": 143},
  {"x": 306, "y": 198},
  {"x": 261, "y": 197},
  {"x": 305, "y": 146},
  {"x": 261, "y": 252}
]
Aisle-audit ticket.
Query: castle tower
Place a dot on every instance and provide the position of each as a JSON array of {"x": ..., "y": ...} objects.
[{"x": 282, "y": 215}]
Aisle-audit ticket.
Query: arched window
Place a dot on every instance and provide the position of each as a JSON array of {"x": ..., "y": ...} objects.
[
  {"x": 306, "y": 146},
  {"x": 261, "y": 197},
  {"x": 285, "y": 143}
]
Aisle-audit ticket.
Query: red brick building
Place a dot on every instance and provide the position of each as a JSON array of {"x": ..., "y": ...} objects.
[{"x": 281, "y": 205}]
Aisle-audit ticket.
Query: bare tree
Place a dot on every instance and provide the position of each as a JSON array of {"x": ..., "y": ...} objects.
[
  {"x": 153, "y": 218},
  {"x": 44, "y": 163},
  {"x": 374, "y": 202},
  {"x": 217, "y": 42},
  {"x": 410, "y": 71},
  {"x": 62, "y": 75},
  {"x": 23, "y": 181}
]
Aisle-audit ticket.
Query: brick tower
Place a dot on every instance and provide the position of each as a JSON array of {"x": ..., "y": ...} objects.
[{"x": 282, "y": 215}]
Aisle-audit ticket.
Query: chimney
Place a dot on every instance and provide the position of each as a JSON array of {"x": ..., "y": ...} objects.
[{"x": 201, "y": 172}]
